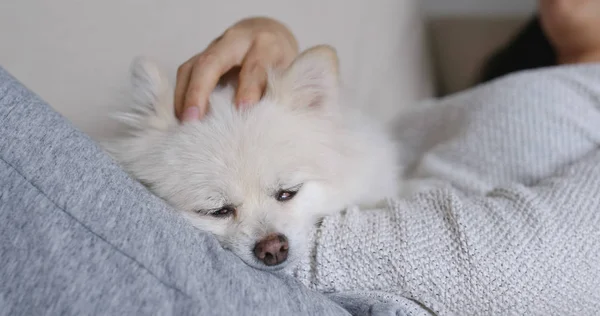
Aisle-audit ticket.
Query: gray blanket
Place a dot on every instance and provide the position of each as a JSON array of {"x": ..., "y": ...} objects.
[
  {"x": 507, "y": 222},
  {"x": 79, "y": 237}
]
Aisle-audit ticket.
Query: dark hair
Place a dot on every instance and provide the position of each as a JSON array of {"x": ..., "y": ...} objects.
[{"x": 528, "y": 49}]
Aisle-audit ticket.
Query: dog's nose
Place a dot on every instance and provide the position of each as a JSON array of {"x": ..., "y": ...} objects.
[{"x": 272, "y": 250}]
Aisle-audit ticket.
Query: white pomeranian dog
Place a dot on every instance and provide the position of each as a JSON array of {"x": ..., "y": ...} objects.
[{"x": 259, "y": 179}]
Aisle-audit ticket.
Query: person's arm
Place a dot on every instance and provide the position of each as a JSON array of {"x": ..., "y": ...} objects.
[{"x": 516, "y": 250}]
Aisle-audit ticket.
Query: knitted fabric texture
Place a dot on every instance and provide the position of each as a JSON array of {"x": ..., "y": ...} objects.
[{"x": 508, "y": 221}]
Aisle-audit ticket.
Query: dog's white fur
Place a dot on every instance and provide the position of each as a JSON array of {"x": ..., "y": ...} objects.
[{"x": 297, "y": 136}]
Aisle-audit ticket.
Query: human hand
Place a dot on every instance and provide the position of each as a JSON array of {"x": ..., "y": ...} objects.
[{"x": 254, "y": 44}]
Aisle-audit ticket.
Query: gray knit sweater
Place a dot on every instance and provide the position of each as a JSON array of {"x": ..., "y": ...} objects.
[{"x": 509, "y": 222}]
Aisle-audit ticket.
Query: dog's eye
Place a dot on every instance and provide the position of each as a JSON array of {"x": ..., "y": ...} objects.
[
  {"x": 225, "y": 211},
  {"x": 284, "y": 195}
]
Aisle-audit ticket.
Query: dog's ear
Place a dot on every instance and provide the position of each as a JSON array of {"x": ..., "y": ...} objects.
[
  {"x": 151, "y": 104},
  {"x": 149, "y": 84},
  {"x": 311, "y": 81}
]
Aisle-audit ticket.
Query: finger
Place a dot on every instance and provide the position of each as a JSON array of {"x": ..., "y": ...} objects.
[
  {"x": 253, "y": 75},
  {"x": 203, "y": 79},
  {"x": 206, "y": 72},
  {"x": 184, "y": 73},
  {"x": 183, "y": 78},
  {"x": 252, "y": 83}
]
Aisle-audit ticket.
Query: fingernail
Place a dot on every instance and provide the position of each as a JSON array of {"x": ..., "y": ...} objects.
[
  {"x": 191, "y": 114},
  {"x": 245, "y": 104}
]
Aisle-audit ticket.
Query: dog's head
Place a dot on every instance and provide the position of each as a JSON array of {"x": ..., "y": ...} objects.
[{"x": 259, "y": 178}]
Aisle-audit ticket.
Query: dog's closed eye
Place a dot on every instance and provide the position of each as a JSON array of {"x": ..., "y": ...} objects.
[{"x": 223, "y": 212}]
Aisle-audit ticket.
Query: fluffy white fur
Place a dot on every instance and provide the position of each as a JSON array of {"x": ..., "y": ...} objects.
[{"x": 298, "y": 137}]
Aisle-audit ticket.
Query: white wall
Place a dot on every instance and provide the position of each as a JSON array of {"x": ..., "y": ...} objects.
[
  {"x": 75, "y": 54},
  {"x": 478, "y": 7}
]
